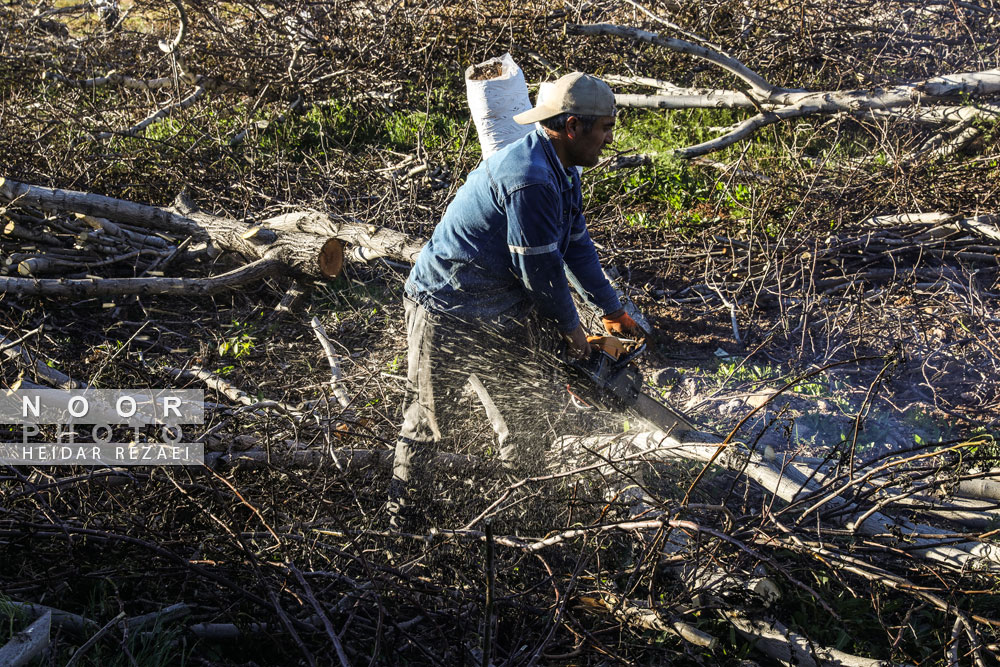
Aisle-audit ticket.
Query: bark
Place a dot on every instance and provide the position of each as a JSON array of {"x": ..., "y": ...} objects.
[
  {"x": 368, "y": 241},
  {"x": 982, "y": 488},
  {"x": 301, "y": 253},
  {"x": 25, "y": 646},
  {"x": 92, "y": 287}
]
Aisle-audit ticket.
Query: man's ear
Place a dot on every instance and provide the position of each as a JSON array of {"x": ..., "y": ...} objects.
[{"x": 573, "y": 127}]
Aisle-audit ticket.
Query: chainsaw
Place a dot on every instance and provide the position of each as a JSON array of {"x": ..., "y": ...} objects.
[{"x": 611, "y": 381}]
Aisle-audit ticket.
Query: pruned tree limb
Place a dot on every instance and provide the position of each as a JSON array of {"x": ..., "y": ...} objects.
[
  {"x": 156, "y": 117},
  {"x": 776, "y": 104},
  {"x": 86, "y": 288},
  {"x": 64, "y": 620},
  {"x": 53, "y": 377},
  {"x": 111, "y": 79},
  {"x": 791, "y": 486},
  {"x": 86, "y": 646},
  {"x": 28, "y": 644},
  {"x": 336, "y": 377},
  {"x": 646, "y": 618},
  {"x": 731, "y": 65}
]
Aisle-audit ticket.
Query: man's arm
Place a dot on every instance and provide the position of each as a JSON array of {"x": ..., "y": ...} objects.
[
  {"x": 589, "y": 279},
  {"x": 533, "y": 237},
  {"x": 585, "y": 269}
]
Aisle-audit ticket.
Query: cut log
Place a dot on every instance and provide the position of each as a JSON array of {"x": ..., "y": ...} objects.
[
  {"x": 28, "y": 644},
  {"x": 303, "y": 253},
  {"x": 377, "y": 241}
]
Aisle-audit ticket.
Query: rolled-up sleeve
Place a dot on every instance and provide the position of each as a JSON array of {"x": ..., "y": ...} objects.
[{"x": 533, "y": 239}]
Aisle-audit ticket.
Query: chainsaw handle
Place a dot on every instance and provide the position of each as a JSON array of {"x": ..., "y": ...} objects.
[{"x": 626, "y": 359}]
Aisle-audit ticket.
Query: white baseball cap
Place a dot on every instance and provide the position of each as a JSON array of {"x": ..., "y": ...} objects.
[{"x": 578, "y": 94}]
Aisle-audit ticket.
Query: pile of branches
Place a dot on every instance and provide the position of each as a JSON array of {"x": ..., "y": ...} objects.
[
  {"x": 911, "y": 275},
  {"x": 620, "y": 533},
  {"x": 631, "y": 547},
  {"x": 645, "y": 547}
]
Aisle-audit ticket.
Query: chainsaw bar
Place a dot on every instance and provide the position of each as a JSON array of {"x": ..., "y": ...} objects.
[
  {"x": 661, "y": 415},
  {"x": 607, "y": 383}
]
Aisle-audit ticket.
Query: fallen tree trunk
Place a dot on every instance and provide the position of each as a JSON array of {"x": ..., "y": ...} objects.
[
  {"x": 301, "y": 253},
  {"x": 303, "y": 243},
  {"x": 792, "y": 486}
]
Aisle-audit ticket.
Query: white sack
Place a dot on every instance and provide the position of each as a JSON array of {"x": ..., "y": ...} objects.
[{"x": 495, "y": 102}]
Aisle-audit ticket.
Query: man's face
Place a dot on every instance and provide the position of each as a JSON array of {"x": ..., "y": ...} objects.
[{"x": 585, "y": 148}]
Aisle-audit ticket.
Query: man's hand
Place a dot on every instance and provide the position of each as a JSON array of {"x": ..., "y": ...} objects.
[
  {"x": 621, "y": 324},
  {"x": 579, "y": 346},
  {"x": 610, "y": 345}
]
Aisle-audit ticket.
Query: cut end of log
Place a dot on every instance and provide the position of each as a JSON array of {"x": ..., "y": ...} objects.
[{"x": 331, "y": 258}]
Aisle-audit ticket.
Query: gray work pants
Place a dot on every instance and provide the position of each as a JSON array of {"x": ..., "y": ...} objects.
[{"x": 513, "y": 362}]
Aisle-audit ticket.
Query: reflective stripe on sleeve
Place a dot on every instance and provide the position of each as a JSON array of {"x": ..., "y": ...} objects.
[
  {"x": 534, "y": 250},
  {"x": 577, "y": 237}
]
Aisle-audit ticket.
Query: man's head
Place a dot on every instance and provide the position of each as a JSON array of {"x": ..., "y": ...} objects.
[{"x": 578, "y": 112}]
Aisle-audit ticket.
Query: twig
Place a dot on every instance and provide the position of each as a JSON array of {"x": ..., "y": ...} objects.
[
  {"x": 488, "y": 611},
  {"x": 327, "y": 625},
  {"x": 78, "y": 654},
  {"x": 336, "y": 378}
]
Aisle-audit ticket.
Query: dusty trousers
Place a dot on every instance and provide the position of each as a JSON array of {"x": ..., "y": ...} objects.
[{"x": 512, "y": 368}]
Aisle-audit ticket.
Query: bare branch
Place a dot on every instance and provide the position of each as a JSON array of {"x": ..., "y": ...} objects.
[{"x": 731, "y": 65}]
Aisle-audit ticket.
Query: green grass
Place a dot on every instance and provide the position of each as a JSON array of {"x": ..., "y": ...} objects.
[
  {"x": 157, "y": 647},
  {"x": 670, "y": 194},
  {"x": 435, "y": 130},
  {"x": 12, "y": 620}
]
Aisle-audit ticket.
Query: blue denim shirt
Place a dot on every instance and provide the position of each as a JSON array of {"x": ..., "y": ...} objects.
[{"x": 502, "y": 245}]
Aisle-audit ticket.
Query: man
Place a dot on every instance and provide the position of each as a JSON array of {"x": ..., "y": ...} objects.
[{"x": 492, "y": 280}]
